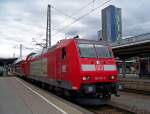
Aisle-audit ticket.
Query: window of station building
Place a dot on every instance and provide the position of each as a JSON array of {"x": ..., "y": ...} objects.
[{"x": 64, "y": 53}]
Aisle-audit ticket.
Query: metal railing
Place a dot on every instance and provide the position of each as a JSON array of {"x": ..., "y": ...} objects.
[{"x": 133, "y": 39}]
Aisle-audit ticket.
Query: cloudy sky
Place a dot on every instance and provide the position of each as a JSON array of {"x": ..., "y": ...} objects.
[{"x": 21, "y": 21}]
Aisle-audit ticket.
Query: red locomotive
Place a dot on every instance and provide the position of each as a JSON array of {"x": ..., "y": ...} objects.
[{"x": 84, "y": 69}]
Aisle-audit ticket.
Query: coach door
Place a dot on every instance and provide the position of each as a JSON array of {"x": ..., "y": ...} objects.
[
  {"x": 61, "y": 63},
  {"x": 64, "y": 62}
]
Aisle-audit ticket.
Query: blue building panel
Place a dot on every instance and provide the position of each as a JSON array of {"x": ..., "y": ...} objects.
[
  {"x": 108, "y": 23},
  {"x": 111, "y": 23}
]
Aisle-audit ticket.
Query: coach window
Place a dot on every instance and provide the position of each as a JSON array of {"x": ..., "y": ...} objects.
[{"x": 64, "y": 54}]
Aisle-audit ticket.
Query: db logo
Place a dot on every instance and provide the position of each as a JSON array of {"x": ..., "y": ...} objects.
[
  {"x": 99, "y": 67},
  {"x": 100, "y": 78}
]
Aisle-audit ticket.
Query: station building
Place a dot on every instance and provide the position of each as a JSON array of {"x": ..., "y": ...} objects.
[
  {"x": 5, "y": 65},
  {"x": 133, "y": 52}
]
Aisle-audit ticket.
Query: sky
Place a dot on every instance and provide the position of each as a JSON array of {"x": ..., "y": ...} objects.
[{"x": 24, "y": 21}]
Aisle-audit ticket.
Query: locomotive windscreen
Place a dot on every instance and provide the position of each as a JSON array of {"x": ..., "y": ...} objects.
[{"x": 94, "y": 51}]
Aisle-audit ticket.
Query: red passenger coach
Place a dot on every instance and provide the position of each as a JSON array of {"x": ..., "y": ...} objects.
[
  {"x": 81, "y": 68},
  {"x": 19, "y": 67}
]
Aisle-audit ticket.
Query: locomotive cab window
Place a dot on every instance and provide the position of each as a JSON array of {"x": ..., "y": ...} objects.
[
  {"x": 64, "y": 53},
  {"x": 103, "y": 51},
  {"x": 94, "y": 51},
  {"x": 87, "y": 50}
]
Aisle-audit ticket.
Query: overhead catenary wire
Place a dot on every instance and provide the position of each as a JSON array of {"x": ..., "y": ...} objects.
[
  {"x": 61, "y": 12},
  {"x": 76, "y": 20},
  {"x": 73, "y": 14}
]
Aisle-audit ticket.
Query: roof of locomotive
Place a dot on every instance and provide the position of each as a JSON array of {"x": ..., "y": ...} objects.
[
  {"x": 81, "y": 40},
  {"x": 92, "y": 42},
  {"x": 78, "y": 40},
  {"x": 19, "y": 60}
]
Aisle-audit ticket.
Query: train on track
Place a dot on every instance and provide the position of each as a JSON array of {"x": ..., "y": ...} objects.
[{"x": 82, "y": 69}]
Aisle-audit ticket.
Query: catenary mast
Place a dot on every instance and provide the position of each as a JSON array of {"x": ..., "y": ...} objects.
[{"x": 48, "y": 27}]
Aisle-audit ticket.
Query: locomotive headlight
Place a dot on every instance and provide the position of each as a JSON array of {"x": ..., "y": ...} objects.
[
  {"x": 86, "y": 78},
  {"x": 112, "y": 77}
]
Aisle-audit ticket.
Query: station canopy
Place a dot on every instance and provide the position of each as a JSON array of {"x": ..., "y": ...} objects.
[{"x": 6, "y": 61}]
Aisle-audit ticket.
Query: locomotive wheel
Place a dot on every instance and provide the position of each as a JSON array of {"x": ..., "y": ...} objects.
[{"x": 51, "y": 88}]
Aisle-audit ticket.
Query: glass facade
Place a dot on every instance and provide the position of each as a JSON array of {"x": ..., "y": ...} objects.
[{"x": 111, "y": 24}]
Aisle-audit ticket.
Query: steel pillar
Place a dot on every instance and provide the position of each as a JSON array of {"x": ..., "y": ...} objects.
[{"x": 123, "y": 68}]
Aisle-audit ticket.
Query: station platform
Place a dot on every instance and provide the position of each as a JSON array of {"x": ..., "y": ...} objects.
[
  {"x": 136, "y": 103},
  {"x": 20, "y": 97},
  {"x": 136, "y": 83}
]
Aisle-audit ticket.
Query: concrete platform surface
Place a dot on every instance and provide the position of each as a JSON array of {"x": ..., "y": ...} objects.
[
  {"x": 139, "y": 104},
  {"x": 20, "y": 97},
  {"x": 135, "y": 83}
]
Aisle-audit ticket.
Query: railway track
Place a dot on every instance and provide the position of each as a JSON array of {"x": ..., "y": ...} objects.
[
  {"x": 107, "y": 109},
  {"x": 104, "y": 109},
  {"x": 136, "y": 85},
  {"x": 141, "y": 92}
]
